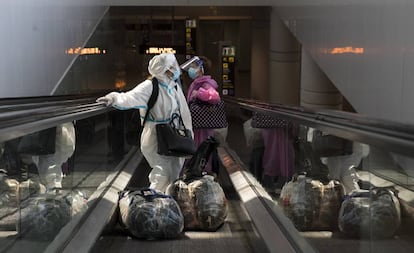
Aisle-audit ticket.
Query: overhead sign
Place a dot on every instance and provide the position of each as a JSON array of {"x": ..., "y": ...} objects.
[
  {"x": 228, "y": 59},
  {"x": 85, "y": 50},
  {"x": 190, "y": 38},
  {"x": 147, "y": 49}
]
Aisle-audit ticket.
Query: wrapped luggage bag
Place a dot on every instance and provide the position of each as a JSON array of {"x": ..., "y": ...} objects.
[
  {"x": 149, "y": 214},
  {"x": 201, "y": 198},
  {"x": 375, "y": 213},
  {"x": 311, "y": 204}
]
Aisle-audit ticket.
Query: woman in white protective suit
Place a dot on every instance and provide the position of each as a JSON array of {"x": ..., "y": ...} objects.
[
  {"x": 343, "y": 169},
  {"x": 50, "y": 166},
  {"x": 171, "y": 99}
]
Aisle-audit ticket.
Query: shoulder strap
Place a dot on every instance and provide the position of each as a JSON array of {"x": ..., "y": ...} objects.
[{"x": 152, "y": 99}]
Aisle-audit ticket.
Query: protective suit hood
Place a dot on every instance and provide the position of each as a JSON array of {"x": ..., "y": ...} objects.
[{"x": 159, "y": 64}]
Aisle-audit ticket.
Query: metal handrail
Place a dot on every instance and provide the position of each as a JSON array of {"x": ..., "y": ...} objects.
[
  {"x": 393, "y": 136},
  {"x": 28, "y": 116}
]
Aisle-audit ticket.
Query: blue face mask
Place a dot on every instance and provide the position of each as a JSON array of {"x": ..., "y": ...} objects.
[
  {"x": 176, "y": 75},
  {"x": 193, "y": 72}
]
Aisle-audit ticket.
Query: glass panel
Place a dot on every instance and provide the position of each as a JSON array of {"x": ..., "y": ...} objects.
[
  {"x": 336, "y": 192},
  {"x": 268, "y": 150},
  {"x": 115, "y": 57},
  {"x": 47, "y": 177}
]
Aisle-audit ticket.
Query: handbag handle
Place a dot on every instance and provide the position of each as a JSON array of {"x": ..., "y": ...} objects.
[
  {"x": 175, "y": 116},
  {"x": 150, "y": 194},
  {"x": 147, "y": 193}
]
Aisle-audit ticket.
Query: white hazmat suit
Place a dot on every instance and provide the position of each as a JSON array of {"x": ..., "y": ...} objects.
[
  {"x": 50, "y": 166},
  {"x": 342, "y": 168},
  {"x": 171, "y": 99}
]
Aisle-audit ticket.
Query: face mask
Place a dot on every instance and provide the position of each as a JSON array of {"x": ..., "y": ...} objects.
[
  {"x": 193, "y": 73},
  {"x": 176, "y": 75}
]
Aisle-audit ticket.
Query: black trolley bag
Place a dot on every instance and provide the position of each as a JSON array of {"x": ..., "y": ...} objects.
[
  {"x": 150, "y": 214},
  {"x": 200, "y": 196}
]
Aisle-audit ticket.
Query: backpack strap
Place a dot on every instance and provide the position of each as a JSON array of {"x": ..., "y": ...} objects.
[{"x": 152, "y": 99}]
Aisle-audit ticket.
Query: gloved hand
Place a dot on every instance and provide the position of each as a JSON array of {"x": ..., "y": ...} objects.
[{"x": 108, "y": 99}]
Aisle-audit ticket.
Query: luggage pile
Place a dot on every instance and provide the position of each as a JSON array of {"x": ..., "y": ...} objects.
[
  {"x": 195, "y": 201},
  {"x": 313, "y": 205}
]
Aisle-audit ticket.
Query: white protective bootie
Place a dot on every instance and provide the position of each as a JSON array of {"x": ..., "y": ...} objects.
[{"x": 159, "y": 180}]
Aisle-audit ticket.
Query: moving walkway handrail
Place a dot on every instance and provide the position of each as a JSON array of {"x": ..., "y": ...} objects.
[
  {"x": 43, "y": 112},
  {"x": 27, "y": 117},
  {"x": 392, "y": 136}
]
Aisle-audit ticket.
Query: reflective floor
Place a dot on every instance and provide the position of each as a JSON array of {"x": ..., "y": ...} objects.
[{"x": 327, "y": 241}]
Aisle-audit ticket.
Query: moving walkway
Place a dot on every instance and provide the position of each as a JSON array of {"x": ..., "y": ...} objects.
[{"x": 103, "y": 164}]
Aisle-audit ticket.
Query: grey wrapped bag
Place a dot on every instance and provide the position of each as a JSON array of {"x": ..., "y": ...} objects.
[
  {"x": 149, "y": 214},
  {"x": 375, "y": 213}
]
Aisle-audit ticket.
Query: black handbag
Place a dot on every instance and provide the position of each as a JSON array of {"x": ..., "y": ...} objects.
[
  {"x": 38, "y": 143},
  {"x": 260, "y": 120},
  {"x": 206, "y": 115},
  {"x": 330, "y": 145},
  {"x": 173, "y": 140}
]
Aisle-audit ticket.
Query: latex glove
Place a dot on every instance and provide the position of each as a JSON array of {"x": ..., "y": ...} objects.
[
  {"x": 108, "y": 99},
  {"x": 193, "y": 95}
]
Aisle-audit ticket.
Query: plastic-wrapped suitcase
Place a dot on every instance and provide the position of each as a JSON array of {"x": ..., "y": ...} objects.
[
  {"x": 31, "y": 187},
  {"x": 9, "y": 192},
  {"x": 149, "y": 214},
  {"x": 43, "y": 216},
  {"x": 298, "y": 202},
  {"x": 310, "y": 204},
  {"x": 201, "y": 198},
  {"x": 375, "y": 213},
  {"x": 202, "y": 201},
  {"x": 9, "y": 202},
  {"x": 330, "y": 197}
]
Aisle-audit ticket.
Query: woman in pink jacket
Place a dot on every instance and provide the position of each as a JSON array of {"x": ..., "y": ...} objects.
[{"x": 203, "y": 89}]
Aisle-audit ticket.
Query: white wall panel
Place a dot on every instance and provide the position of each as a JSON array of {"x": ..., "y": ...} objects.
[
  {"x": 377, "y": 82},
  {"x": 34, "y": 38}
]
